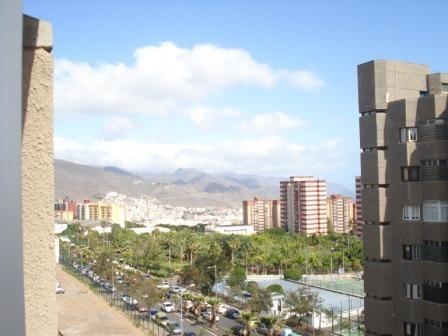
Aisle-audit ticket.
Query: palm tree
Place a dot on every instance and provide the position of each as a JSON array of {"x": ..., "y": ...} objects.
[
  {"x": 214, "y": 302},
  {"x": 234, "y": 243},
  {"x": 248, "y": 319},
  {"x": 270, "y": 322},
  {"x": 198, "y": 301}
]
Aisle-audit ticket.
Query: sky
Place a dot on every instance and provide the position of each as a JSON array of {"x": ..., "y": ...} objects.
[{"x": 257, "y": 87}]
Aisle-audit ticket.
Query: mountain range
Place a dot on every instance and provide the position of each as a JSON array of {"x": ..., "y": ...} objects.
[{"x": 184, "y": 187}]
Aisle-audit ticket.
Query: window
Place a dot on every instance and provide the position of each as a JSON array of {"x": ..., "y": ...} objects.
[
  {"x": 408, "y": 134},
  {"x": 423, "y": 94},
  {"x": 412, "y": 329},
  {"x": 411, "y": 212},
  {"x": 412, "y": 252},
  {"x": 435, "y": 211},
  {"x": 412, "y": 291},
  {"x": 409, "y": 174},
  {"x": 429, "y": 163},
  {"x": 444, "y": 87}
]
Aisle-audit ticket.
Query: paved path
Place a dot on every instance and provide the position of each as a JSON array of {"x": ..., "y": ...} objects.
[{"x": 82, "y": 312}]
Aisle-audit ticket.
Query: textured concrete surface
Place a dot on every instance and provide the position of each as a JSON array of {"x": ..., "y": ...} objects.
[
  {"x": 82, "y": 312},
  {"x": 38, "y": 180}
]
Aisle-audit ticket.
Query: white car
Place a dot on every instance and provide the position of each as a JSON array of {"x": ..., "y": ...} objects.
[
  {"x": 163, "y": 285},
  {"x": 222, "y": 308},
  {"x": 59, "y": 290},
  {"x": 168, "y": 307},
  {"x": 208, "y": 315}
]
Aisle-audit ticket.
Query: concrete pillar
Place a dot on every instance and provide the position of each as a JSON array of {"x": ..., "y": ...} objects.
[{"x": 38, "y": 179}]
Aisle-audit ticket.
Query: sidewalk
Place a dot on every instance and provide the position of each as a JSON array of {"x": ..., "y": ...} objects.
[{"x": 82, "y": 312}]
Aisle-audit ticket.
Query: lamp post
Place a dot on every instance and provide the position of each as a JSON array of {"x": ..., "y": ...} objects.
[
  {"x": 331, "y": 265},
  {"x": 182, "y": 309},
  {"x": 216, "y": 282}
]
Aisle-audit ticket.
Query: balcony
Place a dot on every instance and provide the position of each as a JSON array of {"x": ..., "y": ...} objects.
[
  {"x": 434, "y": 173},
  {"x": 435, "y": 294},
  {"x": 435, "y": 253}
]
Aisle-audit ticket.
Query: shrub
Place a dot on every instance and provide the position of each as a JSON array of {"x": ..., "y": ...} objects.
[{"x": 292, "y": 274}]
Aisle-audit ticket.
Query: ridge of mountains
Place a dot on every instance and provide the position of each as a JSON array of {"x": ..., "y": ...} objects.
[{"x": 184, "y": 187}]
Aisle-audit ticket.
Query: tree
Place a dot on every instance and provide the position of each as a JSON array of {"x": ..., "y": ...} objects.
[
  {"x": 236, "y": 278},
  {"x": 275, "y": 288},
  {"x": 234, "y": 244},
  {"x": 261, "y": 300},
  {"x": 270, "y": 322},
  {"x": 248, "y": 319},
  {"x": 214, "y": 302},
  {"x": 303, "y": 301}
]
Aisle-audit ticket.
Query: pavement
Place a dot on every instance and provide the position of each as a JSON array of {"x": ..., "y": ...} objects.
[{"x": 82, "y": 312}]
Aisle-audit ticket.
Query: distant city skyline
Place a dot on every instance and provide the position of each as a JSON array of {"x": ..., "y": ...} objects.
[{"x": 224, "y": 86}]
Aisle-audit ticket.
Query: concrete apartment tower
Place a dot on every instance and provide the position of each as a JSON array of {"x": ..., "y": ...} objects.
[
  {"x": 303, "y": 203},
  {"x": 404, "y": 164},
  {"x": 261, "y": 214},
  {"x": 340, "y": 213}
]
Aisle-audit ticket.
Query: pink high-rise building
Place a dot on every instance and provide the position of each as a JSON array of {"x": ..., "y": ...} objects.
[
  {"x": 359, "y": 221},
  {"x": 303, "y": 202},
  {"x": 340, "y": 213},
  {"x": 261, "y": 214}
]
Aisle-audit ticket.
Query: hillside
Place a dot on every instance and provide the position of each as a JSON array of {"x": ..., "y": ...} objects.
[{"x": 184, "y": 187}]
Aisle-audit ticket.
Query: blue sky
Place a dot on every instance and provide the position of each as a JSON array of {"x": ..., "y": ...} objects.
[{"x": 262, "y": 87}]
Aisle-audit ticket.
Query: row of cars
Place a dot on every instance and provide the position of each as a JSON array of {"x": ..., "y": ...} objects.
[{"x": 89, "y": 272}]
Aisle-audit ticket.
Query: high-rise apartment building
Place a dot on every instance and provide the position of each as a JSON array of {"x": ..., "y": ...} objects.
[
  {"x": 404, "y": 164},
  {"x": 340, "y": 213},
  {"x": 303, "y": 203},
  {"x": 111, "y": 213},
  {"x": 358, "y": 206},
  {"x": 261, "y": 214}
]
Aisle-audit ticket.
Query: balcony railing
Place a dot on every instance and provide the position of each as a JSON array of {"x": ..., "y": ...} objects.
[
  {"x": 435, "y": 294},
  {"x": 434, "y": 173},
  {"x": 436, "y": 254}
]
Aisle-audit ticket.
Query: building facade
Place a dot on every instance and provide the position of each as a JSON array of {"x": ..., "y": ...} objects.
[
  {"x": 303, "y": 203},
  {"x": 358, "y": 208},
  {"x": 340, "y": 213},
  {"x": 99, "y": 211},
  {"x": 261, "y": 214},
  {"x": 404, "y": 133}
]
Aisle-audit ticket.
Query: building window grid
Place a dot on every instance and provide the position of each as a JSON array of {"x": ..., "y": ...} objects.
[
  {"x": 410, "y": 173},
  {"x": 435, "y": 211},
  {"x": 412, "y": 329},
  {"x": 412, "y": 252},
  {"x": 411, "y": 212},
  {"x": 413, "y": 291}
]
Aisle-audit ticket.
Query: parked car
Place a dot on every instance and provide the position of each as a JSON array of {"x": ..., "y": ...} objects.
[
  {"x": 232, "y": 313},
  {"x": 246, "y": 295},
  {"x": 168, "y": 307},
  {"x": 162, "y": 318},
  {"x": 288, "y": 332},
  {"x": 163, "y": 285},
  {"x": 238, "y": 330},
  {"x": 189, "y": 333},
  {"x": 222, "y": 308},
  {"x": 141, "y": 307},
  {"x": 125, "y": 298},
  {"x": 59, "y": 289},
  {"x": 174, "y": 327},
  {"x": 262, "y": 329},
  {"x": 208, "y": 315},
  {"x": 174, "y": 289}
]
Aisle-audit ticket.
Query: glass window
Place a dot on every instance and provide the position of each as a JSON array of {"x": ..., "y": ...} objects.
[
  {"x": 411, "y": 212},
  {"x": 412, "y": 252},
  {"x": 435, "y": 211},
  {"x": 403, "y": 135},
  {"x": 444, "y": 87},
  {"x": 408, "y": 134},
  {"x": 409, "y": 173},
  {"x": 412, "y": 329}
]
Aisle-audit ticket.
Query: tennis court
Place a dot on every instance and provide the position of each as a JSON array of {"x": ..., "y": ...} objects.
[{"x": 353, "y": 286}]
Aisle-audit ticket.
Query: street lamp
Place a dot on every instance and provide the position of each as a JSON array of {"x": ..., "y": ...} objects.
[
  {"x": 331, "y": 265},
  {"x": 182, "y": 309},
  {"x": 216, "y": 280}
]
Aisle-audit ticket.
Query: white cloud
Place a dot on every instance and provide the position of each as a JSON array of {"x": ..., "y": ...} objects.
[
  {"x": 270, "y": 123},
  {"x": 119, "y": 127},
  {"x": 303, "y": 80},
  {"x": 266, "y": 155},
  {"x": 205, "y": 117},
  {"x": 165, "y": 78}
]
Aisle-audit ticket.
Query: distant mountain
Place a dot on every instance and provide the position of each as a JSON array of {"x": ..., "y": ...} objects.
[{"x": 183, "y": 187}]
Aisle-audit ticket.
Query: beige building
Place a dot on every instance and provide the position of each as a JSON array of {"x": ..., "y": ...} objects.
[
  {"x": 404, "y": 137},
  {"x": 99, "y": 211},
  {"x": 340, "y": 213},
  {"x": 261, "y": 214},
  {"x": 303, "y": 203}
]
